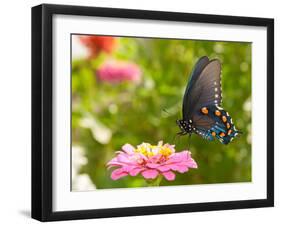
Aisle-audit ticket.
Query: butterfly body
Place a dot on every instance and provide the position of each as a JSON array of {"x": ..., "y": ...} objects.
[{"x": 202, "y": 113}]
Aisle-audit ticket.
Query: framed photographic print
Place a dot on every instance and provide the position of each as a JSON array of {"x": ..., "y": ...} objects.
[{"x": 145, "y": 112}]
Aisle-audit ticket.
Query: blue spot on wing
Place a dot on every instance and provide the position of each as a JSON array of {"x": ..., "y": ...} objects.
[
  {"x": 219, "y": 127},
  {"x": 206, "y": 134}
]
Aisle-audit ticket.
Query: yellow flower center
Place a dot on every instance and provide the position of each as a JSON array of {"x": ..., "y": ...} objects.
[
  {"x": 165, "y": 151},
  {"x": 149, "y": 150},
  {"x": 141, "y": 150}
]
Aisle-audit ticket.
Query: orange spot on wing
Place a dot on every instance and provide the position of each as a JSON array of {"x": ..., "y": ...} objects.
[
  {"x": 204, "y": 110},
  {"x": 222, "y": 134},
  {"x": 229, "y": 132},
  {"x": 217, "y": 113},
  {"x": 214, "y": 134},
  {"x": 224, "y": 119},
  {"x": 227, "y": 125}
]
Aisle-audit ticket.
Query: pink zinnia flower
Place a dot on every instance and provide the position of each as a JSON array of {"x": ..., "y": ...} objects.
[
  {"x": 97, "y": 44},
  {"x": 150, "y": 161},
  {"x": 118, "y": 71}
]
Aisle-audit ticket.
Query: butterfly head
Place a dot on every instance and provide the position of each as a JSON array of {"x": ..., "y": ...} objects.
[{"x": 185, "y": 126}]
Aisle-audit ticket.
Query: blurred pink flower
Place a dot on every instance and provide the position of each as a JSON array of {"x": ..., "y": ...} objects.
[
  {"x": 97, "y": 44},
  {"x": 118, "y": 71},
  {"x": 150, "y": 161}
]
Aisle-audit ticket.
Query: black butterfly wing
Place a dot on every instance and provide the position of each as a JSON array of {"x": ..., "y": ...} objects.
[
  {"x": 202, "y": 122},
  {"x": 204, "y": 88},
  {"x": 207, "y": 90},
  {"x": 188, "y": 102},
  {"x": 204, "y": 91}
]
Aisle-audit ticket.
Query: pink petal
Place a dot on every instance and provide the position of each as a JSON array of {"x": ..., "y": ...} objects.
[
  {"x": 141, "y": 156},
  {"x": 169, "y": 175},
  {"x": 150, "y": 174},
  {"x": 112, "y": 165},
  {"x": 125, "y": 158},
  {"x": 128, "y": 148},
  {"x": 182, "y": 168},
  {"x": 179, "y": 157},
  {"x": 112, "y": 161},
  {"x": 188, "y": 154},
  {"x": 152, "y": 165},
  {"x": 154, "y": 159},
  {"x": 118, "y": 173},
  {"x": 118, "y": 160},
  {"x": 192, "y": 163},
  {"x": 135, "y": 171},
  {"x": 128, "y": 168},
  {"x": 164, "y": 168}
]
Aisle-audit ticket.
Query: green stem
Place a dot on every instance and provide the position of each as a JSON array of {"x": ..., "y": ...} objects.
[{"x": 154, "y": 182}]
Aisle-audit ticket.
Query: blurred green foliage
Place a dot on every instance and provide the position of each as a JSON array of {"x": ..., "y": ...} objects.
[{"x": 105, "y": 116}]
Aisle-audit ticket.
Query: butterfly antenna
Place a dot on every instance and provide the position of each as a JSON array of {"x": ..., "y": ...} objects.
[{"x": 165, "y": 110}]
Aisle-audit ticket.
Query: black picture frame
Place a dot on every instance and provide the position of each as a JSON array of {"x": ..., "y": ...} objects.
[{"x": 42, "y": 106}]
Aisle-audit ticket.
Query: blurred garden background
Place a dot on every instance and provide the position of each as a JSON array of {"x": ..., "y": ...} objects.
[{"x": 129, "y": 90}]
